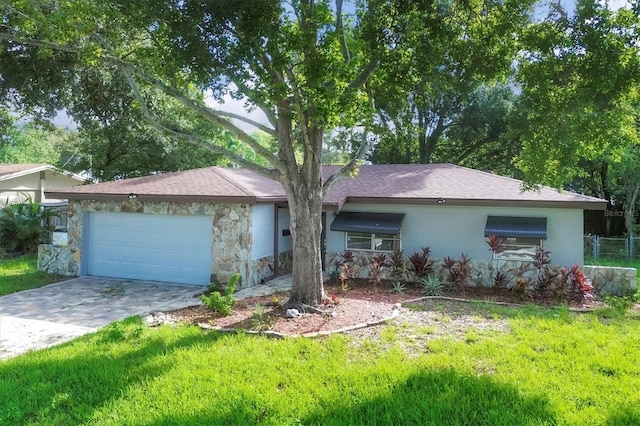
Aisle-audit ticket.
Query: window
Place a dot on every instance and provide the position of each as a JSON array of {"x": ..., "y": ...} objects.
[
  {"x": 364, "y": 241},
  {"x": 518, "y": 248},
  {"x": 521, "y": 236}
]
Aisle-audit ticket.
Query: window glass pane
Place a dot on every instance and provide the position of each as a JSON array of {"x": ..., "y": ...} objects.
[
  {"x": 519, "y": 241},
  {"x": 387, "y": 236},
  {"x": 358, "y": 242},
  {"x": 383, "y": 244}
]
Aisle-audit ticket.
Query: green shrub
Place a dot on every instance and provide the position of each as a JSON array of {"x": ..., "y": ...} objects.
[
  {"x": 431, "y": 286},
  {"x": 216, "y": 302},
  {"x": 22, "y": 226},
  {"x": 398, "y": 287}
]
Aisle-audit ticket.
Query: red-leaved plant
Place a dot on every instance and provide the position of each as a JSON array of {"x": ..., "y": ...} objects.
[
  {"x": 581, "y": 284},
  {"x": 378, "y": 263},
  {"x": 397, "y": 264},
  {"x": 343, "y": 266},
  {"x": 495, "y": 243},
  {"x": 458, "y": 271},
  {"x": 421, "y": 264}
]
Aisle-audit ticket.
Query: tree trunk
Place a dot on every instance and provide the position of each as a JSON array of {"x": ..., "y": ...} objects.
[
  {"x": 630, "y": 207},
  {"x": 305, "y": 209}
]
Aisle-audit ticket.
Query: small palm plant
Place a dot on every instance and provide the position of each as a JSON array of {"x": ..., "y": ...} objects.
[{"x": 22, "y": 226}]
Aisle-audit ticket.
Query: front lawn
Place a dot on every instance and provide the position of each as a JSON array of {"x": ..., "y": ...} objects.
[
  {"x": 21, "y": 273},
  {"x": 545, "y": 367}
]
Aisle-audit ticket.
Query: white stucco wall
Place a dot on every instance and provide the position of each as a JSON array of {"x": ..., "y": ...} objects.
[
  {"x": 285, "y": 243},
  {"x": 450, "y": 230},
  {"x": 262, "y": 219},
  {"x": 13, "y": 190}
]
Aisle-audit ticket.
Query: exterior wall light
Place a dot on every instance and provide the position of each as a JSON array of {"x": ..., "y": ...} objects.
[
  {"x": 440, "y": 200},
  {"x": 132, "y": 196}
]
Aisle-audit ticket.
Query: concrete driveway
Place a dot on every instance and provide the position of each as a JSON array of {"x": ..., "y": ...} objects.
[{"x": 47, "y": 316}]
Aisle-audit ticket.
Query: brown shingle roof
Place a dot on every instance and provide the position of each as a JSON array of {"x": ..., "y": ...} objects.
[
  {"x": 8, "y": 169},
  {"x": 11, "y": 171},
  {"x": 453, "y": 184},
  {"x": 207, "y": 184},
  {"x": 390, "y": 183}
]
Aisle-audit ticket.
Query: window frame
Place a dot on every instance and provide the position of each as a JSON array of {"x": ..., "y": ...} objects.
[{"x": 396, "y": 241}]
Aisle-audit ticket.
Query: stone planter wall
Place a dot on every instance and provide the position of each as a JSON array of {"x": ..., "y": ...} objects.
[
  {"x": 606, "y": 280},
  {"x": 613, "y": 281}
]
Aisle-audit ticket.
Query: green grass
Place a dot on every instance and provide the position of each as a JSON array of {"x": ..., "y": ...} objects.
[
  {"x": 22, "y": 273},
  {"x": 552, "y": 367},
  {"x": 622, "y": 263}
]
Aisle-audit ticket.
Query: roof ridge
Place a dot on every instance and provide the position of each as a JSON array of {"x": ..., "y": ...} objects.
[{"x": 219, "y": 173}]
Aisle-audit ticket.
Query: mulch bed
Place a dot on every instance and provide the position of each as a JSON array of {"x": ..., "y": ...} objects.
[{"x": 358, "y": 306}]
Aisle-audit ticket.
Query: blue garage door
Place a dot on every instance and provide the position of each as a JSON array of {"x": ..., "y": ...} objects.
[{"x": 169, "y": 248}]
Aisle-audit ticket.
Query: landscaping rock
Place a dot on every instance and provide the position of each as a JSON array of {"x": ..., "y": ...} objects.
[{"x": 292, "y": 313}]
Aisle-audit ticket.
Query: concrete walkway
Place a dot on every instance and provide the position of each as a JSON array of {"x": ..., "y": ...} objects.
[
  {"x": 279, "y": 283},
  {"x": 47, "y": 316}
]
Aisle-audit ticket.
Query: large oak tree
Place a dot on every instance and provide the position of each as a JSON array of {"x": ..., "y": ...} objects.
[{"x": 305, "y": 64}]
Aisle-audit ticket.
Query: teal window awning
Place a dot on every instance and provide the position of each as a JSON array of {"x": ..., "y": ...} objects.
[
  {"x": 381, "y": 223},
  {"x": 516, "y": 227}
]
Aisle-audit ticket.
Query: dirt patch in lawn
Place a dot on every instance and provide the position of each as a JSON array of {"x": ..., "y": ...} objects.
[{"x": 357, "y": 307}]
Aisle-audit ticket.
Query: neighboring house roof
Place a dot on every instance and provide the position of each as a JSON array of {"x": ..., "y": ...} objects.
[
  {"x": 12, "y": 171},
  {"x": 388, "y": 183}
]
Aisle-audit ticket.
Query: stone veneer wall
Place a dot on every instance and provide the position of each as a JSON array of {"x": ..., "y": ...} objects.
[
  {"x": 260, "y": 269},
  {"x": 231, "y": 239},
  {"x": 56, "y": 260},
  {"x": 285, "y": 262},
  {"x": 606, "y": 280}
]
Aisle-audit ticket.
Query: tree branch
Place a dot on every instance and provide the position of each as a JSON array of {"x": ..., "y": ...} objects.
[
  {"x": 271, "y": 116},
  {"x": 340, "y": 29},
  {"x": 244, "y": 119},
  {"x": 363, "y": 77},
  {"x": 197, "y": 141},
  {"x": 301, "y": 116},
  {"x": 207, "y": 113},
  {"x": 204, "y": 111},
  {"x": 39, "y": 43},
  {"x": 347, "y": 168}
]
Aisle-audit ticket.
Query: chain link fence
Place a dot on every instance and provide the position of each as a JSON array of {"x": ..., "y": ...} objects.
[{"x": 619, "y": 248}]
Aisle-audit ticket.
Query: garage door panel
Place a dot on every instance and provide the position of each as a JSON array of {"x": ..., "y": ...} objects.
[{"x": 152, "y": 247}]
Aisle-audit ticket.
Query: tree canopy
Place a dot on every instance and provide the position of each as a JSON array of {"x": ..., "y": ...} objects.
[
  {"x": 579, "y": 76},
  {"x": 305, "y": 64},
  {"x": 445, "y": 66}
]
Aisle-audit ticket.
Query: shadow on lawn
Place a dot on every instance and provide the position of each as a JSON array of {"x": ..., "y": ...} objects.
[
  {"x": 443, "y": 397},
  {"x": 53, "y": 384},
  {"x": 429, "y": 398},
  {"x": 624, "y": 416}
]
